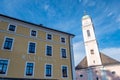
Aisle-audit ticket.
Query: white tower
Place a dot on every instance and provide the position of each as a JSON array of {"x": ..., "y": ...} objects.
[{"x": 91, "y": 47}]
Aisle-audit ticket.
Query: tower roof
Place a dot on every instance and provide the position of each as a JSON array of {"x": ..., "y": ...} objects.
[{"x": 106, "y": 60}]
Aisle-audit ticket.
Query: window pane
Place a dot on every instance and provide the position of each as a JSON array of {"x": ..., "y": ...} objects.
[
  {"x": 48, "y": 70},
  {"x": 12, "y": 27},
  {"x": 63, "y": 40},
  {"x": 8, "y": 43},
  {"x": 63, "y": 53},
  {"x": 31, "y": 47},
  {"x": 33, "y": 33},
  {"x": 3, "y": 66},
  {"x": 49, "y": 36},
  {"x": 29, "y": 69},
  {"x": 64, "y": 71},
  {"x": 49, "y": 51}
]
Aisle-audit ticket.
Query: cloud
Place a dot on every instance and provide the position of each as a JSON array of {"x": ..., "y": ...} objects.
[
  {"x": 88, "y": 3},
  {"x": 112, "y": 52},
  {"x": 118, "y": 19},
  {"x": 46, "y": 7},
  {"x": 79, "y": 52}
]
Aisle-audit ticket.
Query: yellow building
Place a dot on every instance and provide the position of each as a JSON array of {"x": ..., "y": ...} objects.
[{"x": 31, "y": 51}]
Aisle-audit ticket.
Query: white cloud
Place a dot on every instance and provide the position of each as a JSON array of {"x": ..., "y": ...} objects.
[
  {"x": 46, "y": 7},
  {"x": 79, "y": 51},
  {"x": 50, "y": 10},
  {"x": 88, "y": 2},
  {"x": 118, "y": 19},
  {"x": 112, "y": 52}
]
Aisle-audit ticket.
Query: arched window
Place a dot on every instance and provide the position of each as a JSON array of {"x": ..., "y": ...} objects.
[
  {"x": 92, "y": 51},
  {"x": 88, "y": 33}
]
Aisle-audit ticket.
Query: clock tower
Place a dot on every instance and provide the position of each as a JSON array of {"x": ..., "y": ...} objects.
[{"x": 91, "y": 47}]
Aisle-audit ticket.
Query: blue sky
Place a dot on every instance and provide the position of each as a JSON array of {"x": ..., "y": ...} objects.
[{"x": 65, "y": 15}]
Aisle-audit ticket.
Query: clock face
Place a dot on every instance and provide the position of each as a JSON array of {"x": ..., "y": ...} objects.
[{"x": 86, "y": 22}]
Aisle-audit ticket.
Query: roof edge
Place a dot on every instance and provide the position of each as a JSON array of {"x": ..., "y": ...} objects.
[{"x": 36, "y": 24}]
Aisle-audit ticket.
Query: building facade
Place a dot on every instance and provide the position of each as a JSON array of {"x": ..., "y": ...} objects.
[
  {"x": 31, "y": 51},
  {"x": 95, "y": 65}
]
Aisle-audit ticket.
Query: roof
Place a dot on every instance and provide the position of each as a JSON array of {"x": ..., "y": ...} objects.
[
  {"x": 106, "y": 60},
  {"x": 36, "y": 24}
]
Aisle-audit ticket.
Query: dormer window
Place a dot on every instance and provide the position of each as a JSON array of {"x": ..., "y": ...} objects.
[{"x": 11, "y": 27}]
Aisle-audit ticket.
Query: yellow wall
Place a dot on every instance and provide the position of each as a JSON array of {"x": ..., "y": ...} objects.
[{"x": 18, "y": 56}]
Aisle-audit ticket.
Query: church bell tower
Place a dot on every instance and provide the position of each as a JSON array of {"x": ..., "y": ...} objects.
[{"x": 91, "y": 47}]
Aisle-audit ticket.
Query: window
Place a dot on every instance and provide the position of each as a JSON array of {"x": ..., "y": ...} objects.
[
  {"x": 3, "y": 66},
  {"x": 32, "y": 47},
  {"x": 62, "y": 40},
  {"x": 64, "y": 72},
  {"x": 49, "y": 37},
  {"x": 8, "y": 43},
  {"x": 49, "y": 50},
  {"x": 29, "y": 69},
  {"x": 92, "y": 51},
  {"x": 88, "y": 33},
  {"x": 63, "y": 53},
  {"x": 33, "y": 33},
  {"x": 11, "y": 27},
  {"x": 113, "y": 72},
  {"x": 97, "y": 78},
  {"x": 93, "y": 61},
  {"x": 48, "y": 70},
  {"x": 81, "y": 75}
]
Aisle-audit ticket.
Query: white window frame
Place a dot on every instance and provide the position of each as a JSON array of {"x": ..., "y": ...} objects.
[
  {"x": 28, "y": 47},
  {"x": 9, "y": 26},
  {"x": 45, "y": 70},
  {"x": 26, "y": 68},
  {"x": 67, "y": 72},
  {"x": 47, "y": 36},
  {"x": 7, "y": 66},
  {"x": 46, "y": 50},
  {"x": 4, "y": 43},
  {"x": 61, "y": 53},
  {"x": 61, "y": 40},
  {"x": 33, "y": 30}
]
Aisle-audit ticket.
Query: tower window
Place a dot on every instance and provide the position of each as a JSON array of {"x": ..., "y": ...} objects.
[
  {"x": 93, "y": 61},
  {"x": 113, "y": 72},
  {"x": 88, "y": 33},
  {"x": 92, "y": 51}
]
